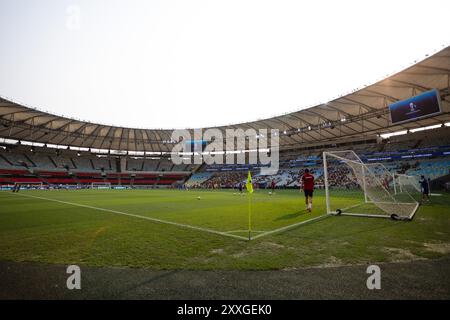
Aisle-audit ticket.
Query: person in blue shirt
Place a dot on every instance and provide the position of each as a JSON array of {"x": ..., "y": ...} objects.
[{"x": 424, "y": 185}]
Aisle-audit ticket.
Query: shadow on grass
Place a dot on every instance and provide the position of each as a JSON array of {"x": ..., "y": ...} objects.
[{"x": 290, "y": 216}]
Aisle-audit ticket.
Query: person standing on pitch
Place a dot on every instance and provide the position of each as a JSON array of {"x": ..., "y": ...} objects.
[
  {"x": 307, "y": 183},
  {"x": 273, "y": 185},
  {"x": 425, "y": 186}
]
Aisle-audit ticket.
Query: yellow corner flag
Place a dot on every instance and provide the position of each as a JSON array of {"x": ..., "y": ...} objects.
[
  {"x": 249, "y": 184},
  {"x": 249, "y": 187}
]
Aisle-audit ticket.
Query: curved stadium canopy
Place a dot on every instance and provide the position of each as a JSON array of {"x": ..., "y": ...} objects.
[{"x": 363, "y": 112}]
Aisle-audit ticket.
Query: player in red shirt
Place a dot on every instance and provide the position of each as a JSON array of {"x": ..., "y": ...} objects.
[
  {"x": 307, "y": 182},
  {"x": 272, "y": 186}
]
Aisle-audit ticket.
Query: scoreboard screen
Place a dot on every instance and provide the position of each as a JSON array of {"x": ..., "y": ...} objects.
[{"x": 424, "y": 105}]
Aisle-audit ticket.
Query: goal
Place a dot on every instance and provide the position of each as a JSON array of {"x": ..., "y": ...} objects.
[
  {"x": 355, "y": 188},
  {"x": 101, "y": 185},
  {"x": 408, "y": 184}
]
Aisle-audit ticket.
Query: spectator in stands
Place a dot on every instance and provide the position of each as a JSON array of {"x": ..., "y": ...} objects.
[{"x": 225, "y": 180}]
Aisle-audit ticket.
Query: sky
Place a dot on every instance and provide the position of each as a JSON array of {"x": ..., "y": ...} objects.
[{"x": 197, "y": 63}]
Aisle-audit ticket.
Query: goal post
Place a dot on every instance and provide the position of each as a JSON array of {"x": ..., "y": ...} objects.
[
  {"x": 355, "y": 188},
  {"x": 100, "y": 185}
]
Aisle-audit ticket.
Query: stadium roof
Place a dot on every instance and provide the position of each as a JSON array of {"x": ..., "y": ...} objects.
[{"x": 363, "y": 112}]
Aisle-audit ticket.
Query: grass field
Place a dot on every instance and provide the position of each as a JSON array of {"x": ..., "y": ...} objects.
[{"x": 106, "y": 228}]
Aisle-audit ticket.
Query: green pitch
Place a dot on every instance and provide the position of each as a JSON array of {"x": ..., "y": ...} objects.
[{"x": 172, "y": 229}]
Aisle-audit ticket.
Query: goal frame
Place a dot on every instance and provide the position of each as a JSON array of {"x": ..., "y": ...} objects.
[{"x": 363, "y": 187}]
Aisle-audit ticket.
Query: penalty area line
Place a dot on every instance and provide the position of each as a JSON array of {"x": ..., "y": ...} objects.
[{"x": 186, "y": 226}]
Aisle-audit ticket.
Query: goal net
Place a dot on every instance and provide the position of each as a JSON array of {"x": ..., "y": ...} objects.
[
  {"x": 101, "y": 185},
  {"x": 408, "y": 184},
  {"x": 363, "y": 189}
]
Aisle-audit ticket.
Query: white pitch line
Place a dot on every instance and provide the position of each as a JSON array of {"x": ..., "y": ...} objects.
[
  {"x": 138, "y": 216},
  {"x": 234, "y": 231},
  {"x": 289, "y": 226}
]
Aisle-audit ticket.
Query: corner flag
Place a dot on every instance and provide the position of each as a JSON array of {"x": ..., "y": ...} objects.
[
  {"x": 249, "y": 184},
  {"x": 249, "y": 187}
]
